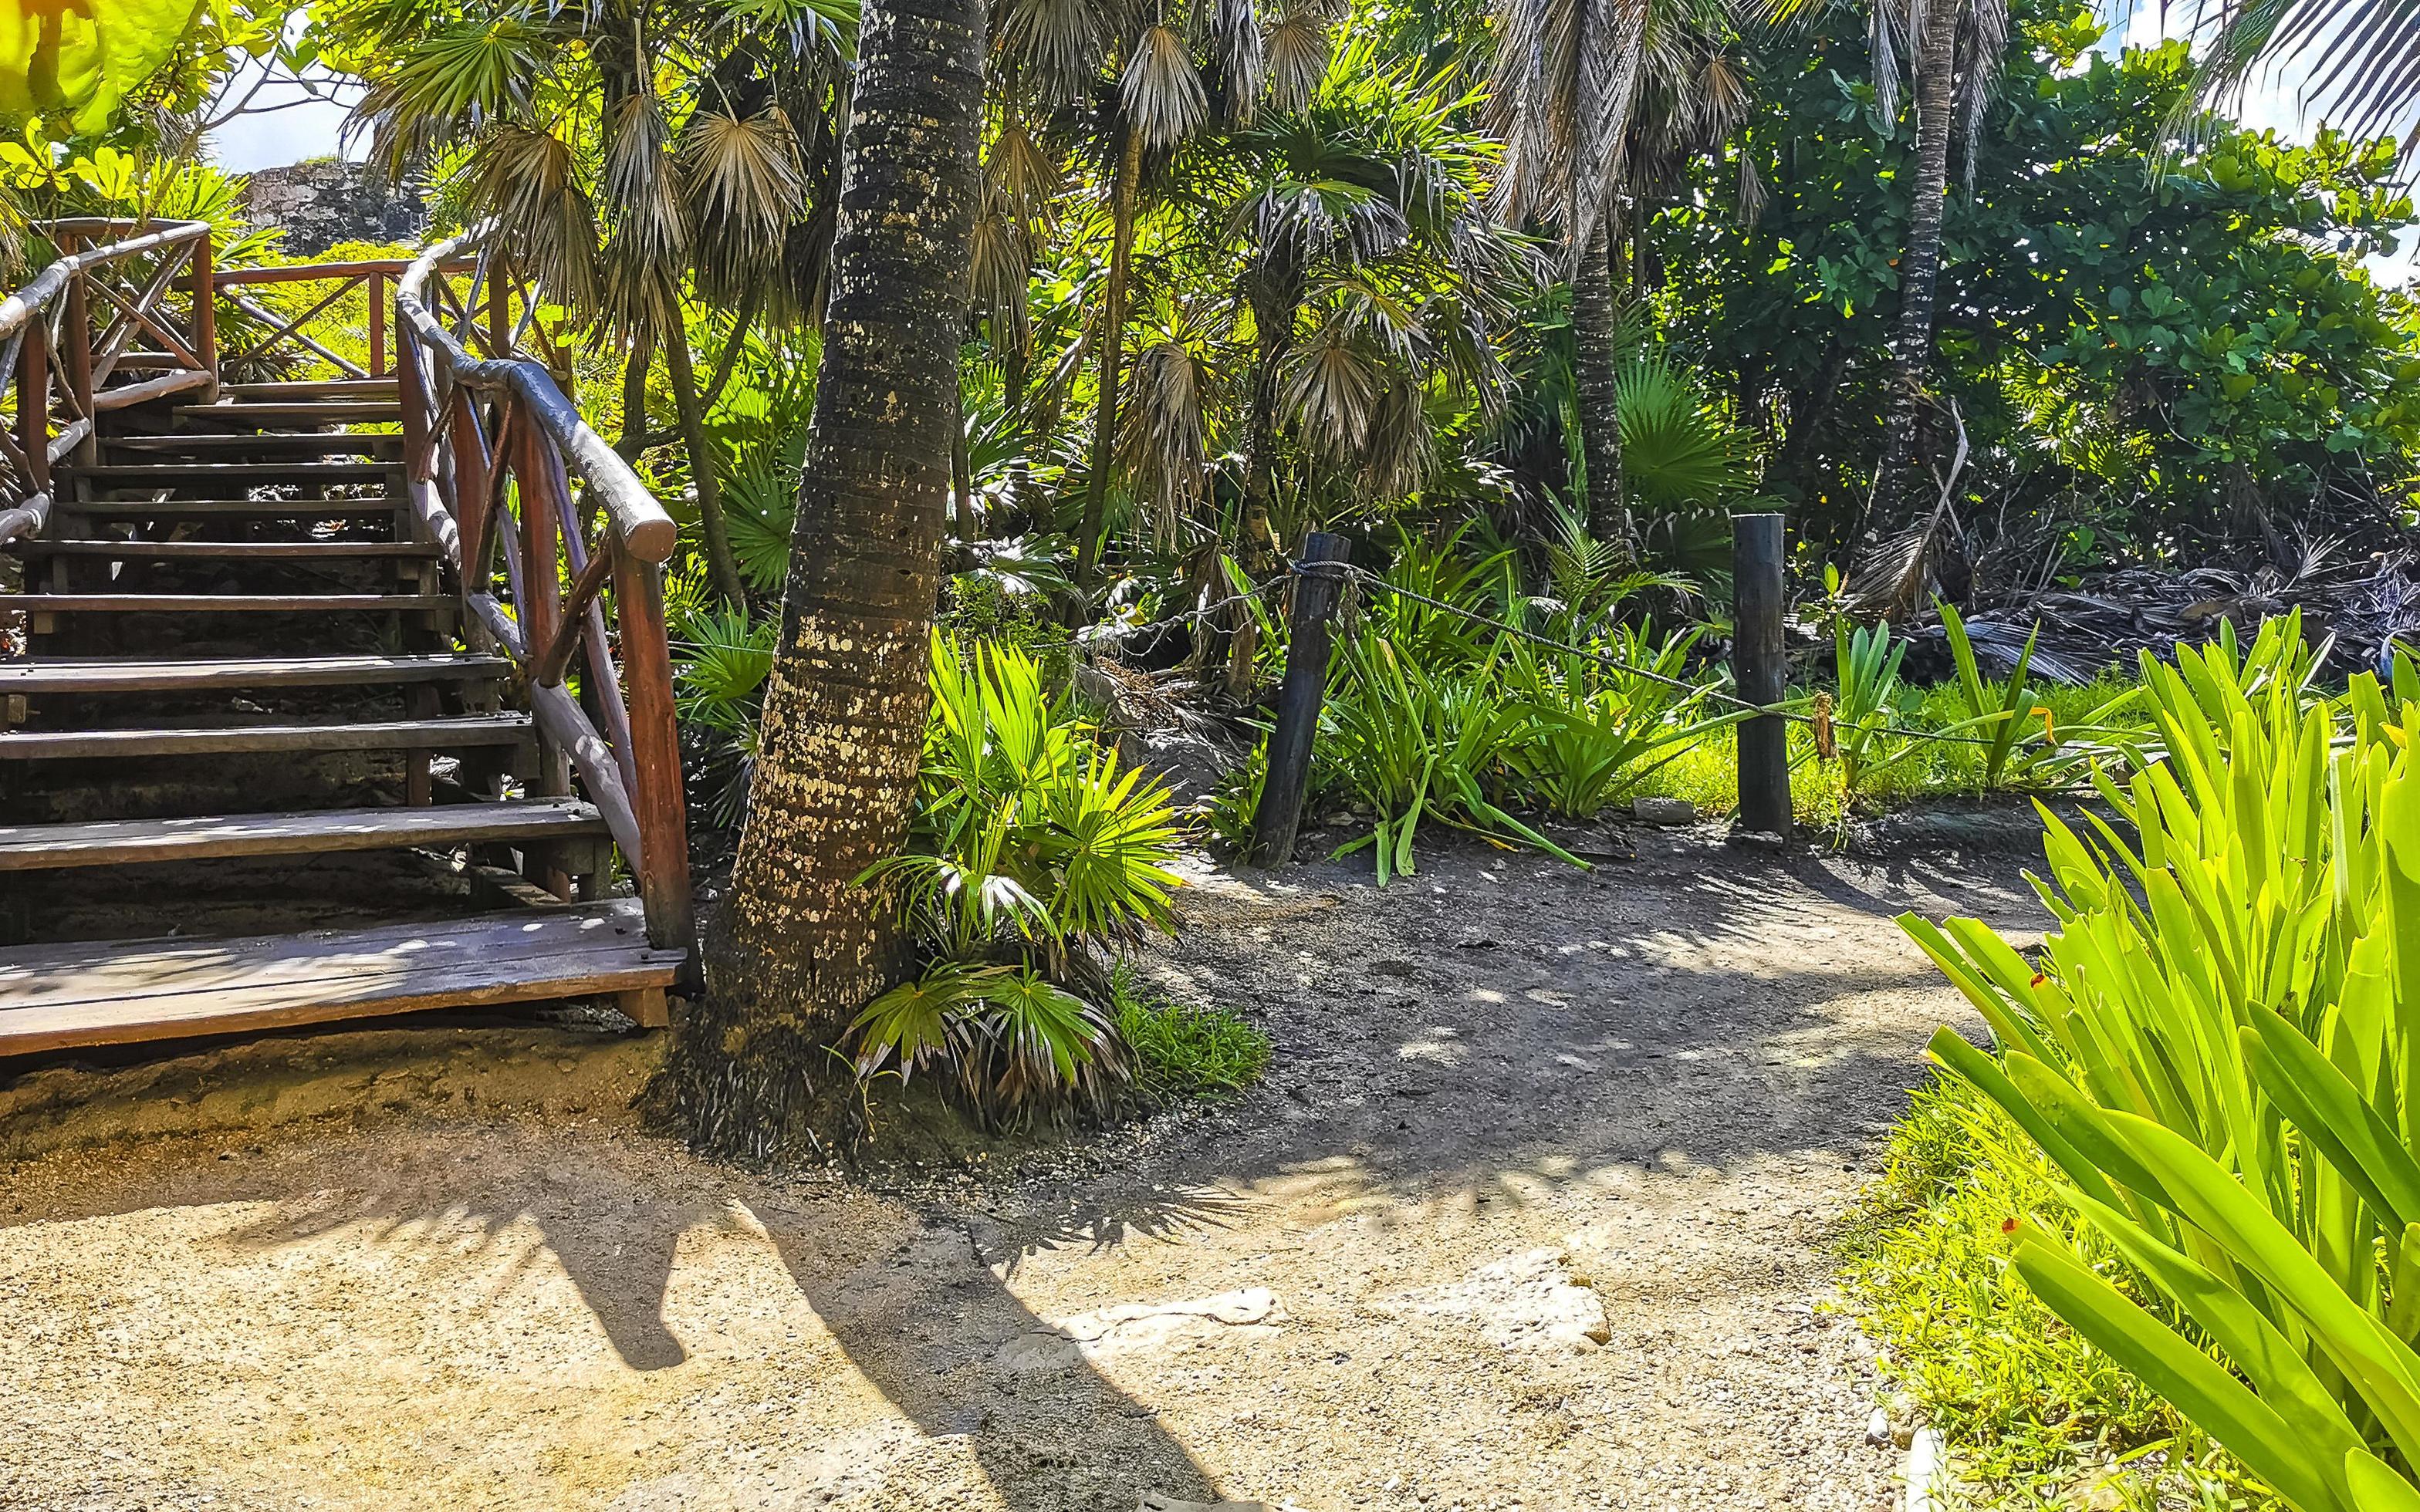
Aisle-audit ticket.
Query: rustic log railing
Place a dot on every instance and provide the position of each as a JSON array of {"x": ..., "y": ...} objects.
[
  {"x": 490, "y": 445},
  {"x": 67, "y": 353}
]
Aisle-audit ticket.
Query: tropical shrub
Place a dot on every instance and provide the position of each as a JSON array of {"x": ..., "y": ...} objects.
[
  {"x": 1596, "y": 730},
  {"x": 1031, "y": 856},
  {"x": 2218, "y": 1053},
  {"x": 1415, "y": 742}
]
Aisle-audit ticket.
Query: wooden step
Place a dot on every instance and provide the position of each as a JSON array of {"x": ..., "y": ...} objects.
[
  {"x": 214, "y": 837},
  {"x": 389, "y": 389},
  {"x": 206, "y": 674},
  {"x": 194, "y": 446},
  {"x": 150, "y": 474},
  {"x": 229, "y": 508},
  {"x": 224, "y": 603},
  {"x": 456, "y": 733},
  {"x": 338, "y": 549},
  {"x": 325, "y": 412},
  {"x": 57, "y": 995}
]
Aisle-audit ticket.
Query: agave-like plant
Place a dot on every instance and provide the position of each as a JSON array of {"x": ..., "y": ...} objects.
[
  {"x": 2216, "y": 1051},
  {"x": 1033, "y": 853}
]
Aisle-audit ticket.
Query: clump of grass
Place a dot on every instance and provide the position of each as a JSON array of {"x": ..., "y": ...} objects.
[
  {"x": 2037, "y": 1418},
  {"x": 1183, "y": 1050}
]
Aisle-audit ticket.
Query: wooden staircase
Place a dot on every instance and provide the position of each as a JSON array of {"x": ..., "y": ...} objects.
[{"x": 286, "y": 587}]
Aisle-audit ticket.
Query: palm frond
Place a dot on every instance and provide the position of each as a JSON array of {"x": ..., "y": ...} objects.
[
  {"x": 1162, "y": 91},
  {"x": 528, "y": 180},
  {"x": 745, "y": 182}
]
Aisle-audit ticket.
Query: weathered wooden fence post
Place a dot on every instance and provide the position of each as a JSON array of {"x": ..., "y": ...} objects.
[
  {"x": 1315, "y": 596},
  {"x": 1762, "y": 667}
]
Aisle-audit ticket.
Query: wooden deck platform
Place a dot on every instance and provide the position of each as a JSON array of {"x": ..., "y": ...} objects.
[{"x": 120, "y": 990}]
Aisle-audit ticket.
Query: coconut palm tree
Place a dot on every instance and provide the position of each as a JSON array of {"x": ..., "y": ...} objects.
[
  {"x": 639, "y": 160},
  {"x": 799, "y": 946},
  {"x": 1591, "y": 95}
]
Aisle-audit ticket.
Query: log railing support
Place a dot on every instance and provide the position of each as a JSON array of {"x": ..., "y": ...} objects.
[{"x": 1760, "y": 666}]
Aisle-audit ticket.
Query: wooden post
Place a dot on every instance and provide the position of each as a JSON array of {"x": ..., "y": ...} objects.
[
  {"x": 499, "y": 311},
  {"x": 34, "y": 403},
  {"x": 205, "y": 314},
  {"x": 377, "y": 324},
  {"x": 662, "y": 867},
  {"x": 1315, "y": 596},
  {"x": 75, "y": 331},
  {"x": 1761, "y": 665}
]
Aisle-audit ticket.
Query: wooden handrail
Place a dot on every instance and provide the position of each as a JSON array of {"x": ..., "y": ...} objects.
[
  {"x": 491, "y": 444},
  {"x": 644, "y": 530},
  {"x": 26, "y": 328}
]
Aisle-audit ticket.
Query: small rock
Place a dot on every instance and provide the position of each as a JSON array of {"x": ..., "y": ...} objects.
[
  {"x": 1664, "y": 810},
  {"x": 1878, "y": 1428}
]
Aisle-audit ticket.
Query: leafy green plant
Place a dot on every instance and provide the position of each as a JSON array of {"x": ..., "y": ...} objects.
[
  {"x": 720, "y": 659},
  {"x": 1184, "y": 1049},
  {"x": 2216, "y": 1053},
  {"x": 1598, "y": 730},
  {"x": 1855, "y": 727},
  {"x": 1032, "y": 853},
  {"x": 1677, "y": 451},
  {"x": 1415, "y": 744},
  {"x": 2000, "y": 707}
]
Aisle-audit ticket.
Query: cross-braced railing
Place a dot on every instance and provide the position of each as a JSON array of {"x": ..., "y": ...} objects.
[
  {"x": 497, "y": 463},
  {"x": 492, "y": 445},
  {"x": 68, "y": 352}
]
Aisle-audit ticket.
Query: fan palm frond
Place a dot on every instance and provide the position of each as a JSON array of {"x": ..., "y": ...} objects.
[
  {"x": 745, "y": 183},
  {"x": 648, "y": 242},
  {"x": 446, "y": 85},
  {"x": 1294, "y": 54},
  {"x": 1060, "y": 44},
  {"x": 1162, "y": 91},
  {"x": 528, "y": 180}
]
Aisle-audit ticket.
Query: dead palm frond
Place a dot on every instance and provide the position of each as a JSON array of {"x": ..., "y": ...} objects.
[
  {"x": 1060, "y": 45},
  {"x": 1164, "y": 432},
  {"x": 648, "y": 242},
  {"x": 1021, "y": 171},
  {"x": 1398, "y": 455},
  {"x": 528, "y": 182},
  {"x": 1161, "y": 89},
  {"x": 1331, "y": 391},
  {"x": 1240, "y": 47},
  {"x": 1295, "y": 54},
  {"x": 745, "y": 183}
]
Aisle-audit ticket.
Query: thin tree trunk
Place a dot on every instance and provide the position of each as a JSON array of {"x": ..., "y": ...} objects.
[
  {"x": 1112, "y": 358},
  {"x": 1021, "y": 466},
  {"x": 799, "y": 948},
  {"x": 634, "y": 396},
  {"x": 1598, "y": 390},
  {"x": 1257, "y": 544},
  {"x": 962, "y": 474},
  {"x": 1900, "y": 484},
  {"x": 721, "y": 567}
]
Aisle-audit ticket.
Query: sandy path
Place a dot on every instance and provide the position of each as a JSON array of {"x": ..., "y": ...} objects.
[{"x": 1514, "y": 1106}]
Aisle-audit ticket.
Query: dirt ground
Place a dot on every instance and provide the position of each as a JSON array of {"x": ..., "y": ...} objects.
[{"x": 1532, "y": 1212}]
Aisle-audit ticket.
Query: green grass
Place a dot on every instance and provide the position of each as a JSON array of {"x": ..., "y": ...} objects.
[
  {"x": 2037, "y": 1418},
  {"x": 1184, "y": 1049}
]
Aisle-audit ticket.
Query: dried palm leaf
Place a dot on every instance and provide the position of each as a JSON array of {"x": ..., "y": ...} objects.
[
  {"x": 1294, "y": 55},
  {"x": 745, "y": 183},
  {"x": 1163, "y": 435},
  {"x": 1162, "y": 91},
  {"x": 648, "y": 242},
  {"x": 1059, "y": 44},
  {"x": 527, "y": 180}
]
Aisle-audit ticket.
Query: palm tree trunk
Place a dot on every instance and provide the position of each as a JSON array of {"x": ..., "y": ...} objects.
[
  {"x": 1899, "y": 485},
  {"x": 1257, "y": 545},
  {"x": 799, "y": 948},
  {"x": 634, "y": 396},
  {"x": 721, "y": 566},
  {"x": 1112, "y": 357},
  {"x": 1597, "y": 389}
]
